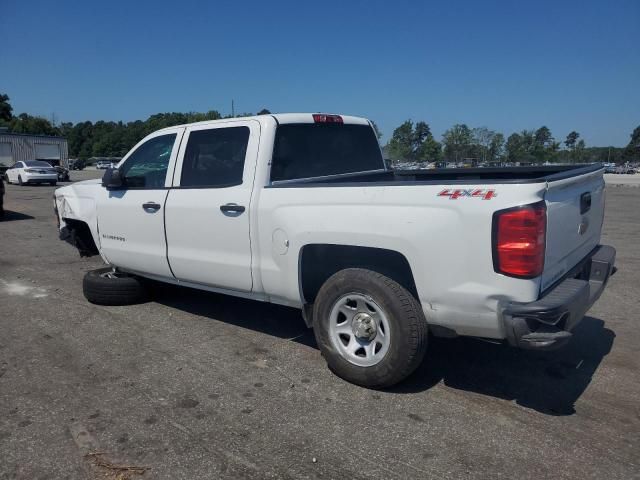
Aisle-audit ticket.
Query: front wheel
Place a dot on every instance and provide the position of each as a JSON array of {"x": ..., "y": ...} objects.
[
  {"x": 370, "y": 329},
  {"x": 107, "y": 286},
  {"x": 53, "y": 184},
  {"x": 20, "y": 180}
]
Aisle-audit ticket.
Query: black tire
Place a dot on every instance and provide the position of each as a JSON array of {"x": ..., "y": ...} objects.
[
  {"x": 407, "y": 323},
  {"x": 20, "y": 180},
  {"x": 53, "y": 184},
  {"x": 122, "y": 289}
]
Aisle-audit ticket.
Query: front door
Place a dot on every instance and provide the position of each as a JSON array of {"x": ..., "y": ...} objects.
[
  {"x": 131, "y": 220},
  {"x": 207, "y": 213}
]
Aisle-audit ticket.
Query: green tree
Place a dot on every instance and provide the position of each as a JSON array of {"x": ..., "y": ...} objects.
[
  {"x": 485, "y": 147},
  {"x": 264, "y": 111},
  {"x": 401, "y": 143},
  {"x": 571, "y": 140},
  {"x": 521, "y": 147},
  {"x": 632, "y": 150},
  {"x": 5, "y": 107},
  {"x": 496, "y": 147},
  {"x": 579, "y": 151},
  {"x": 25, "y": 123},
  {"x": 514, "y": 147},
  {"x": 430, "y": 150},
  {"x": 414, "y": 143},
  {"x": 543, "y": 143},
  {"x": 457, "y": 142},
  {"x": 543, "y": 137}
]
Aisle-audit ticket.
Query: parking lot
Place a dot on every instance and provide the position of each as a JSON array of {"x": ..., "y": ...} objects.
[{"x": 199, "y": 385}]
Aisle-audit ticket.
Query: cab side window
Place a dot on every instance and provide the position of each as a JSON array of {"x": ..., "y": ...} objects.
[
  {"x": 214, "y": 158},
  {"x": 147, "y": 166}
]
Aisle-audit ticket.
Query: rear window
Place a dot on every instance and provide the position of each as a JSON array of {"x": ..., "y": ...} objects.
[
  {"x": 36, "y": 163},
  {"x": 315, "y": 150}
]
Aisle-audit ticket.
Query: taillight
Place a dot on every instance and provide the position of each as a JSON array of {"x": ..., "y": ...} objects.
[
  {"x": 519, "y": 240},
  {"x": 324, "y": 118}
]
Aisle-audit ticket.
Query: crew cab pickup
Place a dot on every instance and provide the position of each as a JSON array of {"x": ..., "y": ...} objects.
[{"x": 299, "y": 210}]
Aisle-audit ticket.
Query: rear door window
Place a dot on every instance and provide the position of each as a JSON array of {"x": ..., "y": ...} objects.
[
  {"x": 315, "y": 150},
  {"x": 214, "y": 158}
]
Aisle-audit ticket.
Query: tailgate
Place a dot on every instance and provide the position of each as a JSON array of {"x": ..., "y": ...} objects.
[{"x": 575, "y": 210}]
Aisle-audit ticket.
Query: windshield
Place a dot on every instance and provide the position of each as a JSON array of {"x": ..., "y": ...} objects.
[
  {"x": 314, "y": 150},
  {"x": 36, "y": 163}
]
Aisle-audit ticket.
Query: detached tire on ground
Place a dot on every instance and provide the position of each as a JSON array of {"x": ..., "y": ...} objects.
[
  {"x": 106, "y": 287},
  {"x": 370, "y": 329}
]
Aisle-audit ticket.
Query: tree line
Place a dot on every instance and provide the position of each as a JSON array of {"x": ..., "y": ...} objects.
[
  {"x": 415, "y": 143},
  {"x": 101, "y": 138},
  {"x": 411, "y": 142}
]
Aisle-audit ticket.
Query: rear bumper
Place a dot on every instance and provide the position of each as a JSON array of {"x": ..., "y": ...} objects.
[
  {"x": 40, "y": 178},
  {"x": 547, "y": 322}
]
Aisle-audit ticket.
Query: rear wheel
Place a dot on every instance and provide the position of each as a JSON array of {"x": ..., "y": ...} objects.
[
  {"x": 53, "y": 184},
  {"x": 370, "y": 329},
  {"x": 106, "y": 286}
]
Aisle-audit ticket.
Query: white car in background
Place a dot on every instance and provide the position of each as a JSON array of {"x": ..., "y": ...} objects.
[
  {"x": 32, "y": 171},
  {"x": 104, "y": 164}
]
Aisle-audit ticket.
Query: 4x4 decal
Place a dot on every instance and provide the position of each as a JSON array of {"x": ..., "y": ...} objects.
[{"x": 454, "y": 194}]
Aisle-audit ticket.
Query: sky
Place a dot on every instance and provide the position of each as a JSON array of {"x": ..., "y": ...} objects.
[{"x": 506, "y": 65}]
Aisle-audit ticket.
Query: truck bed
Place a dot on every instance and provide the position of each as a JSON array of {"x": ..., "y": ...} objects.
[{"x": 536, "y": 174}]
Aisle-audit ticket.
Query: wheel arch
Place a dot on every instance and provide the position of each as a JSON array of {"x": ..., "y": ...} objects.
[
  {"x": 78, "y": 234},
  {"x": 319, "y": 261}
]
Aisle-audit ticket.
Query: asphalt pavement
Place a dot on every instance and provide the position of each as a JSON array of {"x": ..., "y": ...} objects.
[{"x": 197, "y": 385}]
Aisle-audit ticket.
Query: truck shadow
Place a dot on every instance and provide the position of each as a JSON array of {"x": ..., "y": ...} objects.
[
  {"x": 270, "y": 319},
  {"x": 549, "y": 382},
  {"x": 10, "y": 216}
]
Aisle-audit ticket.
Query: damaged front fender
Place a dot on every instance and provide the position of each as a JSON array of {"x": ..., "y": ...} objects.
[{"x": 75, "y": 207}]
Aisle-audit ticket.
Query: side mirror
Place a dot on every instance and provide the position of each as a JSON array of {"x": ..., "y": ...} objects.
[{"x": 112, "y": 180}]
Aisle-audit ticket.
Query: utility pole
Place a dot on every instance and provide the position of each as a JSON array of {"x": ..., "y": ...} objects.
[{"x": 233, "y": 110}]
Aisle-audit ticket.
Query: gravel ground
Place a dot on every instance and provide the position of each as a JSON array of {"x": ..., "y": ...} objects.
[{"x": 197, "y": 385}]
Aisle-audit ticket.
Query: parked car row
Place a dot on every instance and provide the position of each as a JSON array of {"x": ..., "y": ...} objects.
[{"x": 626, "y": 170}]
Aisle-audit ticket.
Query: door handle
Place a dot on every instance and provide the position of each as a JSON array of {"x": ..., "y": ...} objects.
[
  {"x": 232, "y": 208},
  {"x": 151, "y": 207},
  {"x": 585, "y": 202}
]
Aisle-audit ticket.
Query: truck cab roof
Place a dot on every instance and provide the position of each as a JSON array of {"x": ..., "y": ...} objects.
[{"x": 282, "y": 118}]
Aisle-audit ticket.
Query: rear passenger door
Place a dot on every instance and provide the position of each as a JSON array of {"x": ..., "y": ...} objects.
[{"x": 207, "y": 212}]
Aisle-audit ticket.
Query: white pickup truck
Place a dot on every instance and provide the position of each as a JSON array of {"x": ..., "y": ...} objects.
[{"x": 299, "y": 210}]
